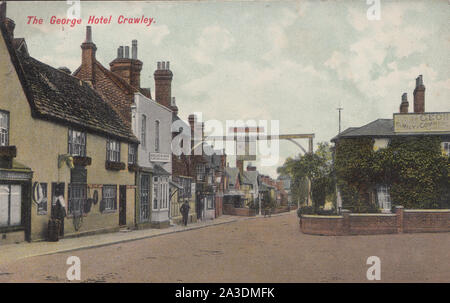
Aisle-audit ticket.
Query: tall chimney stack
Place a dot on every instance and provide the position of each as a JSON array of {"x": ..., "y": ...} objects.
[
  {"x": 2, "y": 10},
  {"x": 134, "y": 49},
  {"x": 419, "y": 96},
  {"x": 163, "y": 84},
  {"x": 173, "y": 106},
  {"x": 404, "y": 106},
  {"x": 88, "y": 56}
]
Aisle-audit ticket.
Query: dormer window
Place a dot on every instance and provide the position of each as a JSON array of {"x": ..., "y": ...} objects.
[
  {"x": 77, "y": 143},
  {"x": 4, "y": 128}
]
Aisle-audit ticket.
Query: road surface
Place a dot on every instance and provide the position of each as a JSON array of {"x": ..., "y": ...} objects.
[{"x": 254, "y": 250}]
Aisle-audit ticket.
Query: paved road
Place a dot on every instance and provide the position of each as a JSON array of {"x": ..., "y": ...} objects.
[{"x": 254, "y": 250}]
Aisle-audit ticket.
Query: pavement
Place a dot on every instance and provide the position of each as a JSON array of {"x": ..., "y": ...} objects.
[{"x": 14, "y": 252}]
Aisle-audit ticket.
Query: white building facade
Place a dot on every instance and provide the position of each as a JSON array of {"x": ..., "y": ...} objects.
[{"x": 151, "y": 123}]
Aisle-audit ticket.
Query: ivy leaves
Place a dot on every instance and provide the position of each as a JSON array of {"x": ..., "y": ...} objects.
[{"x": 413, "y": 167}]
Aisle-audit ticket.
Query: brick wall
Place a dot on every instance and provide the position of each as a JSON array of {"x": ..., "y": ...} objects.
[
  {"x": 416, "y": 221},
  {"x": 372, "y": 224},
  {"x": 406, "y": 221},
  {"x": 322, "y": 225}
]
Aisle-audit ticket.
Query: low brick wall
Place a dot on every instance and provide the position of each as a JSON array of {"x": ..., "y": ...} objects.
[
  {"x": 372, "y": 224},
  {"x": 418, "y": 221},
  {"x": 229, "y": 209},
  {"x": 322, "y": 225},
  {"x": 406, "y": 221}
]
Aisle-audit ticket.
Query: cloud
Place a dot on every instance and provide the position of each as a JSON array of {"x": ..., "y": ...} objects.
[
  {"x": 276, "y": 32},
  {"x": 212, "y": 41},
  {"x": 371, "y": 62},
  {"x": 156, "y": 33}
]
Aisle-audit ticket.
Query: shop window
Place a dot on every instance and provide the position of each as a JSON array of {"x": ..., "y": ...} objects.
[
  {"x": 10, "y": 205},
  {"x": 77, "y": 198}
]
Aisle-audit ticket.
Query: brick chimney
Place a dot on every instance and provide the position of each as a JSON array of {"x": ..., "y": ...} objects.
[
  {"x": 88, "y": 50},
  {"x": 7, "y": 22},
  {"x": 163, "y": 83},
  {"x": 126, "y": 67},
  {"x": 419, "y": 96},
  {"x": 405, "y": 104},
  {"x": 173, "y": 106}
]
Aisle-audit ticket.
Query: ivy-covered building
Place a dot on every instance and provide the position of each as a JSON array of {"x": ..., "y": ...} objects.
[{"x": 400, "y": 161}]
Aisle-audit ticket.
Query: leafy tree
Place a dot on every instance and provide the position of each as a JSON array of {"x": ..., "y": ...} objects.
[{"x": 316, "y": 167}]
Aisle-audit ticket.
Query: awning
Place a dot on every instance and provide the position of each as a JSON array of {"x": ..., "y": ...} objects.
[
  {"x": 159, "y": 171},
  {"x": 234, "y": 193}
]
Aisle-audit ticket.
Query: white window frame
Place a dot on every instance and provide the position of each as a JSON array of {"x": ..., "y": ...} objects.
[
  {"x": 4, "y": 128},
  {"x": 132, "y": 153},
  {"x": 160, "y": 193},
  {"x": 113, "y": 150},
  {"x": 77, "y": 143},
  {"x": 109, "y": 196},
  {"x": 384, "y": 197}
]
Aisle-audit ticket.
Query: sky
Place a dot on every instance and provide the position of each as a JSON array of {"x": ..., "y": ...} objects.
[{"x": 291, "y": 61}]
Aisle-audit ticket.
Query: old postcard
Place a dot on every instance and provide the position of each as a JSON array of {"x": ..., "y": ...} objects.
[{"x": 224, "y": 142}]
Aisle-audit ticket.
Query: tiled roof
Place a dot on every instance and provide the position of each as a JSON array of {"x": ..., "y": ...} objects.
[
  {"x": 377, "y": 128},
  {"x": 64, "y": 98},
  {"x": 233, "y": 173},
  {"x": 250, "y": 177}
]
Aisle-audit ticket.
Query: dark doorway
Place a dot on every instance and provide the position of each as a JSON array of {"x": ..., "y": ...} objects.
[{"x": 122, "y": 205}]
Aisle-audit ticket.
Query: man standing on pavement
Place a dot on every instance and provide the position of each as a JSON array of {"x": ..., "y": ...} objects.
[{"x": 184, "y": 210}]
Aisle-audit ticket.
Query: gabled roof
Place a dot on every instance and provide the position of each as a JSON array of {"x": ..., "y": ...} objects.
[
  {"x": 250, "y": 177},
  {"x": 233, "y": 174},
  {"x": 377, "y": 128},
  {"x": 56, "y": 96}
]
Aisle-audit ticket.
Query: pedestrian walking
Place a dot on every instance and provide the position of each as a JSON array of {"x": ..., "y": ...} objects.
[{"x": 184, "y": 210}]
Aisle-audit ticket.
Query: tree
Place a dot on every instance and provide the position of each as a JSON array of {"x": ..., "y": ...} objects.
[{"x": 316, "y": 167}]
